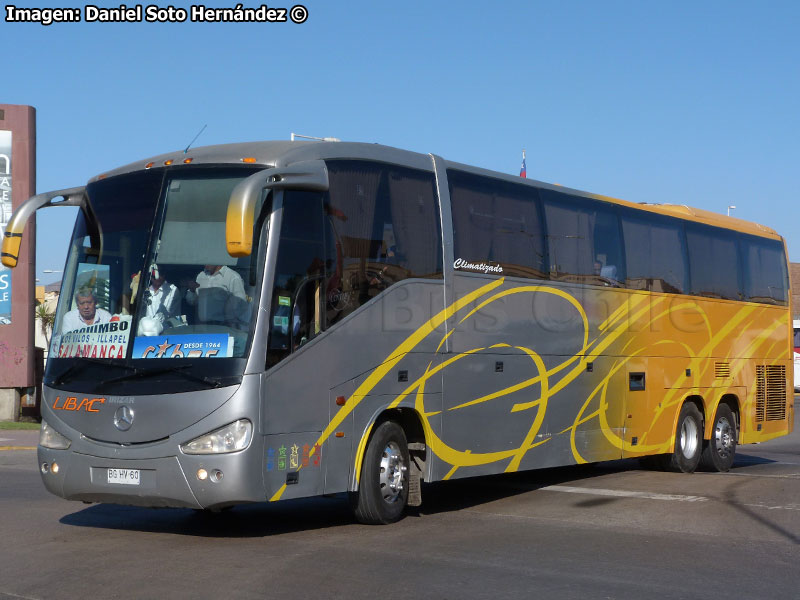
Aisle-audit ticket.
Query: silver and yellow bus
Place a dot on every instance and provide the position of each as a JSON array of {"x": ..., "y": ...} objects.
[{"x": 265, "y": 321}]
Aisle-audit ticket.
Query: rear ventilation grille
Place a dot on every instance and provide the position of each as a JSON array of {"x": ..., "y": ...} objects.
[
  {"x": 770, "y": 393},
  {"x": 722, "y": 370}
]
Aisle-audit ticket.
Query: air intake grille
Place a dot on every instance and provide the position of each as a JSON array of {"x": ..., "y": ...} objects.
[
  {"x": 770, "y": 393},
  {"x": 722, "y": 370}
]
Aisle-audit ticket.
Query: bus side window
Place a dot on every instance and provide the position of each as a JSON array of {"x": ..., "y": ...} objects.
[
  {"x": 295, "y": 317},
  {"x": 584, "y": 240},
  {"x": 499, "y": 223},
  {"x": 713, "y": 263},
  {"x": 655, "y": 253},
  {"x": 765, "y": 276},
  {"x": 382, "y": 226}
]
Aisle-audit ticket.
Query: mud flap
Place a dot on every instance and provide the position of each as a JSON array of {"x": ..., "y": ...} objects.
[{"x": 416, "y": 473}]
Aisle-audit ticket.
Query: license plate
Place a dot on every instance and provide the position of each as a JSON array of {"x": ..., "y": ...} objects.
[{"x": 124, "y": 476}]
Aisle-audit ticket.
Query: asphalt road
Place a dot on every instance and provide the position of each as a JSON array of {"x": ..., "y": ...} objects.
[{"x": 611, "y": 531}]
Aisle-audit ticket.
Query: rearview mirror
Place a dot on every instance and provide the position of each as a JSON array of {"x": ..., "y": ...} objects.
[
  {"x": 310, "y": 175},
  {"x": 12, "y": 240}
]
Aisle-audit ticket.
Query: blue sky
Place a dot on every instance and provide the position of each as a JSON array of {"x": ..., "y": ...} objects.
[{"x": 684, "y": 102}]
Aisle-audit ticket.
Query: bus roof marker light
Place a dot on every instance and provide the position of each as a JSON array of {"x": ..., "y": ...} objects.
[
  {"x": 168, "y": 162},
  {"x": 149, "y": 165},
  {"x": 249, "y": 159},
  {"x": 186, "y": 161}
]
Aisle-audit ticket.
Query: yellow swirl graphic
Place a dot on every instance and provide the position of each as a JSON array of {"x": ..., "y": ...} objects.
[{"x": 682, "y": 338}]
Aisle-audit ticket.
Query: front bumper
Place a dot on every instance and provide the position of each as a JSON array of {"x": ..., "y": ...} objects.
[{"x": 164, "y": 481}]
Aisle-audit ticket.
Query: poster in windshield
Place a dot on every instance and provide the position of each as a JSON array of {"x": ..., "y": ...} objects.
[
  {"x": 205, "y": 345},
  {"x": 5, "y": 217},
  {"x": 101, "y": 340}
]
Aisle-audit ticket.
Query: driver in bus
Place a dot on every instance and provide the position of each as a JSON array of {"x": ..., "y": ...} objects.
[
  {"x": 87, "y": 312},
  {"x": 216, "y": 276},
  {"x": 214, "y": 308}
]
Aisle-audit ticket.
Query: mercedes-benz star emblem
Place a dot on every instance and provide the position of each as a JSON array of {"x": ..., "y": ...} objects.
[{"x": 123, "y": 418}]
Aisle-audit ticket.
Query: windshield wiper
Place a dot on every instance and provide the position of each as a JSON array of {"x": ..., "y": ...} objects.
[
  {"x": 82, "y": 363},
  {"x": 145, "y": 373}
]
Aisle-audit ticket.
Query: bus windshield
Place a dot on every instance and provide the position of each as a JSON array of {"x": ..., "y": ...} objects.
[{"x": 149, "y": 279}]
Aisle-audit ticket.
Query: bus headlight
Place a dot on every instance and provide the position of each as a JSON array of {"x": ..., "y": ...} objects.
[
  {"x": 230, "y": 438},
  {"x": 50, "y": 438}
]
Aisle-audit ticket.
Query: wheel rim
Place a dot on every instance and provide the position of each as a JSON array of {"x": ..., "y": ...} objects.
[
  {"x": 723, "y": 437},
  {"x": 689, "y": 438},
  {"x": 393, "y": 471}
]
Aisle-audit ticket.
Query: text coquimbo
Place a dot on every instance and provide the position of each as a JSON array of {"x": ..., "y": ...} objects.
[{"x": 153, "y": 13}]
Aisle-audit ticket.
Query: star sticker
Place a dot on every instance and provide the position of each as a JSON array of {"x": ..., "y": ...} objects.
[{"x": 163, "y": 348}]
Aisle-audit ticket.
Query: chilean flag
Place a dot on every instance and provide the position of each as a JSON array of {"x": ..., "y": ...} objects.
[{"x": 523, "y": 170}]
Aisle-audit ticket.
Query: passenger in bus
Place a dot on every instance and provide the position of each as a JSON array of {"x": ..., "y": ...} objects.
[
  {"x": 605, "y": 271},
  {"x": 380, "y": 278},
  {"x": 162, "y": 300},
  {"x": 609, "y": 272},
  {"x": 87, "y": 312}
]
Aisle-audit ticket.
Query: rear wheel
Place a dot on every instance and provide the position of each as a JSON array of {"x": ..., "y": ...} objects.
[
  {"x": 383, "y": 490},
  {"x": 720, "y": 450},
  {"x": 688, "y": 441}
]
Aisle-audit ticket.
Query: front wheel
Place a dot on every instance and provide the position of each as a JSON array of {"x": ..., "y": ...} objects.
[
  {"x": 720, "y": 450},
  {"x": 688, "y": 440},
  {"x": 383, "y": 490}
]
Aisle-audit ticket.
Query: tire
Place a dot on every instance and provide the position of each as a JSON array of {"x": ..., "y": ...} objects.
[
  {"x": 720, "y": 450},
  {"x": 688, "y": 441},
  {"x": 383, "y": 491}
]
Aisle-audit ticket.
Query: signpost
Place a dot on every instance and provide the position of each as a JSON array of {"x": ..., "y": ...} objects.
[
  {"x": 5, "y": 215},
  {"x": 17, "y": 291}
]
